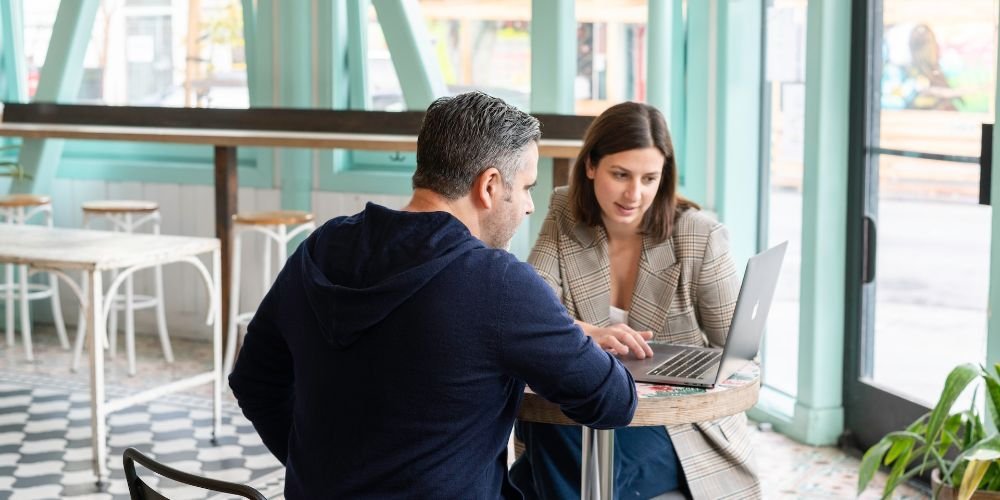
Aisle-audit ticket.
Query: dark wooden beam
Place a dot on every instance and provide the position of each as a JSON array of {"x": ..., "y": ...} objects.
[{"x": 283, "y": 119}]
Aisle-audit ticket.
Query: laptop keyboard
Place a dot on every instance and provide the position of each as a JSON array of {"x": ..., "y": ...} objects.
[{"x": 689, "y": 363}]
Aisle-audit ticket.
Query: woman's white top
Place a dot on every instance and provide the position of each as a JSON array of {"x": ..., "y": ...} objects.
[{"x": 617, "y": 315}]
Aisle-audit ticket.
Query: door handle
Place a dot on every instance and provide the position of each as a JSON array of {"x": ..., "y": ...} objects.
[
  {"x": 868, "y": 267},
  {"x": 985, "y": 163}
]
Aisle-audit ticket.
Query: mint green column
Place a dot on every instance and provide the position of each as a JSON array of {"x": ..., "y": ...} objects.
[
  {"x": 553, "y": 70},
  {"x": 250, "y": 48},
  {"x": 665, "y": 66},
  {"x": 819, "y": 412},
  {"x": 553, "y": 56},
  {"x": 357, "y": 57},
  {"x": 12, "y": 61},
  {"x": 993, "y": 325},
  {"x": 332, "y": 80},
  {"x": 257, "y": 34},
  {"x": 694, "y": 164},
  {"x": 405, "y": 32},
  {"x": 737, "y": 122},
  {"x": 12, "y": 50},
  {"x": 59, "y": 81},
  {"x": 295, "y": 90}
]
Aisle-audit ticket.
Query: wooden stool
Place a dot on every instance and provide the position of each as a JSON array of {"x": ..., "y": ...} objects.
[
  {"x": 19, "y": 209},
  {"x": 275, "y": 227},
  {"x": 126, "y": 216}
]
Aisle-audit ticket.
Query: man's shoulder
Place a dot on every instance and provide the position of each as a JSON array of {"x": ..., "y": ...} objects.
[
  {"x": 488, "y": 260},
  {"x": 493, "y": 266}
]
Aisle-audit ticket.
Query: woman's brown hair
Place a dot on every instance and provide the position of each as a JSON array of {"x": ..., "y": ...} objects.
[{"x": 622, "y": 127}]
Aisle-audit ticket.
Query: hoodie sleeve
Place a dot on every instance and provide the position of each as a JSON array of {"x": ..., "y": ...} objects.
[
  {"x": 539, "y": 344},
  {"x": 262, "y": 378}
]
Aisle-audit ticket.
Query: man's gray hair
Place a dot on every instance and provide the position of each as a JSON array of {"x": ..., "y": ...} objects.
[{"x": 464, "y": 135}]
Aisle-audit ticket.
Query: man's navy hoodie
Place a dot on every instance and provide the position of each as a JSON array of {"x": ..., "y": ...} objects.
[{"x": 390, "y": 357}]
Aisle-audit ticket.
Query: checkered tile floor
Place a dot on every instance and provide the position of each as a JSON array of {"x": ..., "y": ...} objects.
[
  {"x": 45, "y": 443},
  {"x": 45, "y": 433}
]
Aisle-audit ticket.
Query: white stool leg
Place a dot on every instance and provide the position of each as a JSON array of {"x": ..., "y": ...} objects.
[
  {"x": 9, "y": 303},
  {"x": 8, "y": 311},
  {"x": 129, "y": 311},
  {"x": 129, "y": 326},
  {"x": 57, "y": 315},
  {"x": 234, "y": 305},
  {"x": 113, "y": 322},
  {"x": 81, "y": 326},
  {"x": 282, "y": 250},
  {"x": 161, "y": 315},
  {"x": 81, "y": 330},
  {"x": 22, "y": 272}
]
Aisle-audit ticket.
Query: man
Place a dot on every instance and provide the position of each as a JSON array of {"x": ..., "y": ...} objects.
[{"x": 390, "y": 356}]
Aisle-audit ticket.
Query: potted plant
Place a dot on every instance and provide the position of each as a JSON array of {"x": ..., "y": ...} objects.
[{"x": 961, "y": 448}]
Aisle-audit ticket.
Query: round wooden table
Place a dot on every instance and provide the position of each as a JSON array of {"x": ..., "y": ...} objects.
[{"x": 658, "y": 405}]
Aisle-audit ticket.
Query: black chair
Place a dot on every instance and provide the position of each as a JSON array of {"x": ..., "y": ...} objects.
[{"x": 139, "y": 490}]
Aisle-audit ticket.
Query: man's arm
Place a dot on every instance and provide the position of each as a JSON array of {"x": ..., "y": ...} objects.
[
  {"x": 262, "y": 378},
  {"x": 540, "y": 344}
]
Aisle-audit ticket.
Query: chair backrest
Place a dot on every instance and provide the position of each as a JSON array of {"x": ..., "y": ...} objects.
[{"x": 139, "y": 490}]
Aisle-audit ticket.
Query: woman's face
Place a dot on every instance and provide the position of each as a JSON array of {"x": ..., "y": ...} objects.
[{"x": 625, "y": 184}]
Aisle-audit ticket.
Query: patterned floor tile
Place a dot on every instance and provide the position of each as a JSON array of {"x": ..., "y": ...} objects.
[
  {"x": 43, "y": 403},
  {"x": 45, "y": 433}
]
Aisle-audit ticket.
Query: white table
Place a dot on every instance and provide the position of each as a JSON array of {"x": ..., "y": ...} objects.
[
  {"x": 658, "y": 405},
  {"x": 60, "y": 251}
]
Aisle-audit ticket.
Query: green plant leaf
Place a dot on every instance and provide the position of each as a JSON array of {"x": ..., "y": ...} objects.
[
  {"x": 992, "y": 396},
  {"x": 949, "y": 433},
  {"x": 900, "y": 444},
  {"x": 956, "y": 382},
  {"x": 992, "y": 480},
  {"x": 984, "y": 455},
  {"x": 870, "y": 462},
  {"x": 919, "y": 425},
  {"x": 970, "y": 431},
  {"x": 898, "y": 474},
  {"x": 955, "y": 478},
  {"x": 985, "y": 450}
]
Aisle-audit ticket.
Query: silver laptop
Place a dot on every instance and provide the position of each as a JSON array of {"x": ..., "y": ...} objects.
[{"x": 705, "y": 366}]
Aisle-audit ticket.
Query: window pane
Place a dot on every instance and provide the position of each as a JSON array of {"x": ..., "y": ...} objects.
[
  {"x": 611, "y": 52},
  {"x": 486, "y": 45},
  {"x": 932, "y": 263},
  {"x": 476, "y": 46},
  {"x": 932, "y": 274},
  {"x": 152, "y": 52},
  {"x": 785, "y": 84},
  {"x": 938, "y": 75}
]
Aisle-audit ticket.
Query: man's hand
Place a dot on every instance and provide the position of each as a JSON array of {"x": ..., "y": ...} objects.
[{"x": 621, "y": 340}]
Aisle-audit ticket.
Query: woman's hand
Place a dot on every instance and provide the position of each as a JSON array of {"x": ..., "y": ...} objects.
[{"x": 620, "y": 339}]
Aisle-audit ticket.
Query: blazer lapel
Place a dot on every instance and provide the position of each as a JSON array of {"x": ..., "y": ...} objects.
[
  {"x": 655, "y": 285},
  {"x": 588, "y": 274}
]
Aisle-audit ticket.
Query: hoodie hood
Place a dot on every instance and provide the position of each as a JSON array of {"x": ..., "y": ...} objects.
[{"x": 357, "y": 270}]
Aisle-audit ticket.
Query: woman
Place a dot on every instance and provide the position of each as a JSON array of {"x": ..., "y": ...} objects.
[{"x": 634, "y": 261}]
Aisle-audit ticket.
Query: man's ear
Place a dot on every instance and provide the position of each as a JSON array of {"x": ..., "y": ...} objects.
[{"x": 486, "y": 188}]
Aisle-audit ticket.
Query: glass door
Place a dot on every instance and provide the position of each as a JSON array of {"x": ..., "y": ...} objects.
[{"x": 921, "y": 236}]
